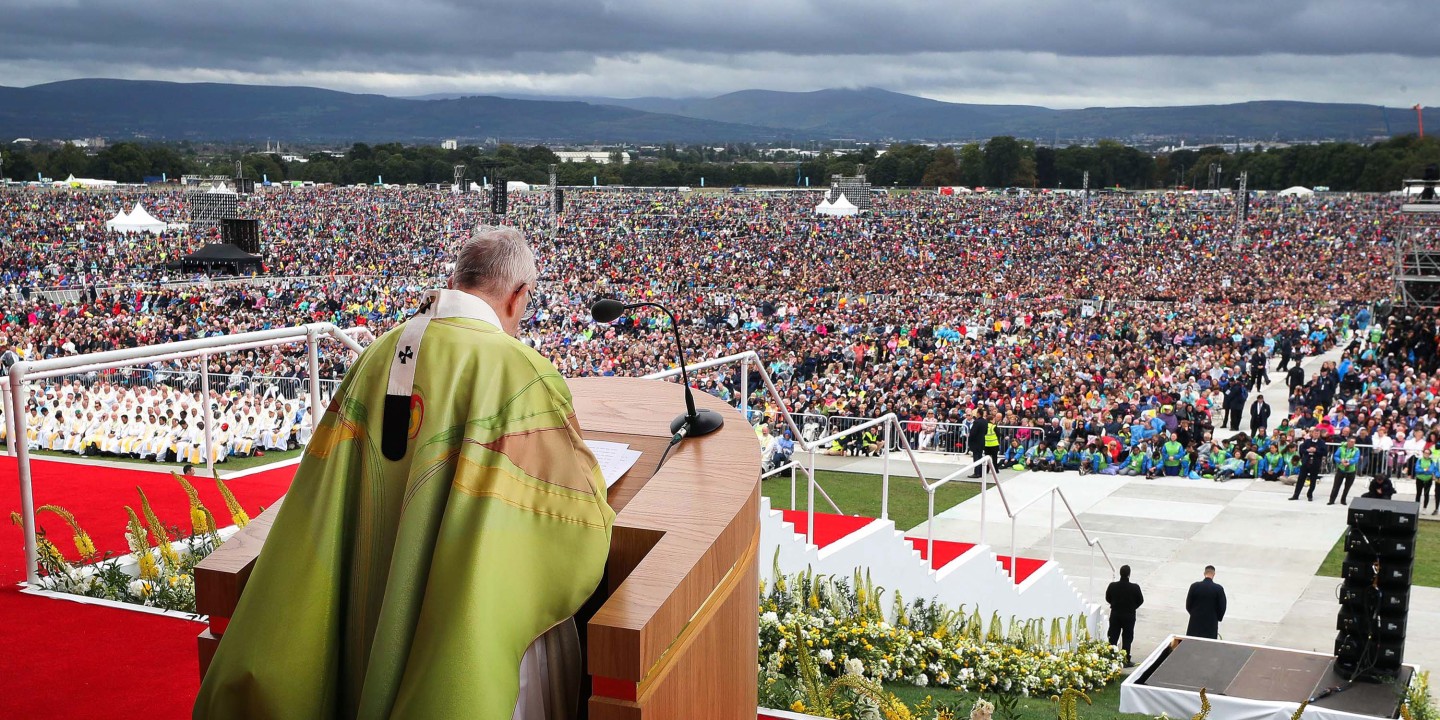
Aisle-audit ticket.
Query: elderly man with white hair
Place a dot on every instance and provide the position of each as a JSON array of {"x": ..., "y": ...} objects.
[{"x": 445, "y": 524}]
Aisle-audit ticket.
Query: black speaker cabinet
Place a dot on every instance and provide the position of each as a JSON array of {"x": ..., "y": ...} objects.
[
  {"x": 242, "y": 233},
  {"x": 1375, "y": 594}
]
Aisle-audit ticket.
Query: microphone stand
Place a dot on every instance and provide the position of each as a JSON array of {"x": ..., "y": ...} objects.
[{"x": 693, "y": 423}]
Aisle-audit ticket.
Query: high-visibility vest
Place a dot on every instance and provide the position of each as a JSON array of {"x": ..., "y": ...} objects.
[
  {"x": 991, "y": 439},
  {"x": 1347, "y": 459}
]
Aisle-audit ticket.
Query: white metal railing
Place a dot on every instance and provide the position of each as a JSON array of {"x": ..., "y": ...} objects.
[
  {"x": 892, "y": 433},
  {"x": 15, "y": 390}
]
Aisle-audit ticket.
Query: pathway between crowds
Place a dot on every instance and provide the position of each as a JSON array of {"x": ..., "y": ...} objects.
[{"x": 1266, "y": 548}]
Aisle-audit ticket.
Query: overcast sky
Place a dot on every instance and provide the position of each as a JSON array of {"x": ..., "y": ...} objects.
[{"x": 1057, "y": 53}]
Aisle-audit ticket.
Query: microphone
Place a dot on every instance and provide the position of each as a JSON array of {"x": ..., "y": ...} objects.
[{"x": 691, "y": 423}]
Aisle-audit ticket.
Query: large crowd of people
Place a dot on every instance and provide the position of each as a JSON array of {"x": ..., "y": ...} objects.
[{"x": 1120, "y": 324}]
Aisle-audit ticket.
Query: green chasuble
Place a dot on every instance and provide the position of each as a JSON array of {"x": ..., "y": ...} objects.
[{"x": 411, "y": 588}]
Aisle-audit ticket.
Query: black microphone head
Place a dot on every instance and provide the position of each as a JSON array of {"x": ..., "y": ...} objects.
[{"x": 606, "y": 310}]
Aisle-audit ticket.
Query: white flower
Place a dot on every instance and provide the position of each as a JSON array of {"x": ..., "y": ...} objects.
[
  {"x": 921, "y": 680},
  {"x": 770, "y": 617},
  {"x": 142, "y": 588},
  {"x": 826, "y": 655},
  {"x": 853, "y": 666}
]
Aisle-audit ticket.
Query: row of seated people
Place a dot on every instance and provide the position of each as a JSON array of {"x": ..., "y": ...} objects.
[{"x": 161, "y": 425}]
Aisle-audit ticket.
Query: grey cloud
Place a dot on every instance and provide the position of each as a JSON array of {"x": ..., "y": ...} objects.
[{"x": 1070, "y": 53}]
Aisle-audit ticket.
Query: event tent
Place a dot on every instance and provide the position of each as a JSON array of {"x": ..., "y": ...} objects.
[
  {"x": 224, "y": 258},
  {"x": 117, "y": 222},
  {"x": 1296, "y": 191},
  {"x": 517, "y": 186},
  {"x": 139, "y": 220},
  {"x": 73, "y": 181},
  {"x": 955, "y": 190},
  {"x": 824, "y": 207},
  {"x": 842, "y": 206}
]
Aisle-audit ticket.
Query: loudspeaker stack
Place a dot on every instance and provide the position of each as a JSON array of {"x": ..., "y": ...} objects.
[
  {"x": 499, "y": 197},
  {"x": 1375, "y": 596}
]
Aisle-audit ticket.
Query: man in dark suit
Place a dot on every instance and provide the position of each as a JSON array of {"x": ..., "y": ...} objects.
[
  {"x": 1235, "y": 395},
  {"x": 1206, "y": 605},
  {"x": 1259, "y": 414},
  {"x": 1124, "y": 598}
]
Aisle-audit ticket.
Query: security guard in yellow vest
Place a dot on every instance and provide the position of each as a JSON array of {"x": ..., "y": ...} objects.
[{"x": 984, "y": 442}]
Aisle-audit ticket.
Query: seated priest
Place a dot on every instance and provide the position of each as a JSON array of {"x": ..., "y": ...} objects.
[{"x": 445, "y": 524}]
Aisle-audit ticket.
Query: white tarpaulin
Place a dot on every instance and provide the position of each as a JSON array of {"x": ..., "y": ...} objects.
[{"x": 517, "y": 186}]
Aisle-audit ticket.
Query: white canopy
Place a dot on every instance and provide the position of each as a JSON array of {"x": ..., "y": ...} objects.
[
  {"x": 119, "y": 220},
  {"x": 1297, "y": 190},
  {"x": 517, "y": 186},
  {"x": 842, "y": 206},
  {"x": 73, "y": 181},
  {"x": 221, "y": 188},
  {"x": 823, "y": 208},
  {"x": 139, "y": 220}
]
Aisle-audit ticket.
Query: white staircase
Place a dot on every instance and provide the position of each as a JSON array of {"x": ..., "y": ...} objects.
[{"x": 972, "y": 576}]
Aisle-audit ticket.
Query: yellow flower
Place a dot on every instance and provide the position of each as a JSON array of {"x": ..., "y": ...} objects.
[
  {"x": 797, "y": 706},
  {"x": 148, "y": 569}
]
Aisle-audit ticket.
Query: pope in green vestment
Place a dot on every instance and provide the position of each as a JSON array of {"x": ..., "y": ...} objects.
[{"x": 411, "y": 588}]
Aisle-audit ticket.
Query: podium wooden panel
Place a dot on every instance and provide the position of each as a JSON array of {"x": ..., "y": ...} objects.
[{"x": 673, "y": 630}]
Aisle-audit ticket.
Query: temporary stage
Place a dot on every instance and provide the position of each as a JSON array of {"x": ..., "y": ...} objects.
[{"x": 1253, "y": 682}]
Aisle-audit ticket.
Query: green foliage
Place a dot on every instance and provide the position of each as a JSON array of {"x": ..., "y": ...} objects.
[{"x": 1001, "y": 161}]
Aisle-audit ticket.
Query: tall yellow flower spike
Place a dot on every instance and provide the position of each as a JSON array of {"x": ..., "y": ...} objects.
[
  {"x": 237, "y": 513},
  {"x": 83, "y": 544},
  {"x": 140, "y": 545},
  {"x": 162, "y": 538},
  {"x": 201, "y": 520}
]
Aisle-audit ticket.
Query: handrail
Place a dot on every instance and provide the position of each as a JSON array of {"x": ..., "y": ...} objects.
[
  {"x": 26, "y": 371},
  {"x": 989, "y": 475}
]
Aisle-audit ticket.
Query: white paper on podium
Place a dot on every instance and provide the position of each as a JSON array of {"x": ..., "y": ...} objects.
[{"x": 615, "y": 459}]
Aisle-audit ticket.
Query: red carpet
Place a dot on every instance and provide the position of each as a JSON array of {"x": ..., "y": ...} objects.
[
  {"x": 67, "y": 660},
  {"x": 829, "y": 528},
  {"x": 1027, "y": 567},
  {"x": 945, "y": 550}
]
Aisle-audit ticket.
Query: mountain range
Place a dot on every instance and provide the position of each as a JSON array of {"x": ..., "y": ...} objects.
[{"x": 210, "y": 111}]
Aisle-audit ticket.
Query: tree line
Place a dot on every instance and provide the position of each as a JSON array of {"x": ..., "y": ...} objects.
[{"x": 999, "y": 162}]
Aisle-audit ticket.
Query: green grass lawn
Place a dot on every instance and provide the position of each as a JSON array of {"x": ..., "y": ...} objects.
[
  {"x": 230, "y": 465},
  {"x": 860, "y": 494},
  {"x": 1106, "y": 703},
  {"x": 1427, "y": 556}
]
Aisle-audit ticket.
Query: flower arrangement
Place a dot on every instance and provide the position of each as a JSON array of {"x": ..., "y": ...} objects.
[
  {"x": 161, "y": 576},
  {"x": 843, "y": 627}
]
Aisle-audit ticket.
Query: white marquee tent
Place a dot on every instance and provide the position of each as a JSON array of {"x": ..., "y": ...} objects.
[
  {"x": 73, "y": 181},
  {"x": 824, "y": 207},
  {"x": 139, "y": 220},
  {"x": 1297, "y": 190},
  {"x": 842, "y": 207}
]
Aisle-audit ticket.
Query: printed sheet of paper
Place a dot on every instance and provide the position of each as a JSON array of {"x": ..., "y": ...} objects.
[{"x": 616, "y": 459}]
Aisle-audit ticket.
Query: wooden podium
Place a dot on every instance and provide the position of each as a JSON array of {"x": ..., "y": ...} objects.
[{"x": 673, "y": 628}]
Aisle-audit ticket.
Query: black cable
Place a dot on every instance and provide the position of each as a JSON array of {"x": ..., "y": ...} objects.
[{"x": 680, "y": 435}]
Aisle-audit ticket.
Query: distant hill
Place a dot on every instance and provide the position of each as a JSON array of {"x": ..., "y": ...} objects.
[
  {"x": 876, "y": 113},
  {"x": 209, "y": 111},
  {"x": 212, "y": 111}
]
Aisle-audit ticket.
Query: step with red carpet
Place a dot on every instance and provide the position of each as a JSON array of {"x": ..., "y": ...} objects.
[
  {"x": 946, "y": 551},
  {"x": 829, "y": 528},
  {"x": 1026, "y": 568}
]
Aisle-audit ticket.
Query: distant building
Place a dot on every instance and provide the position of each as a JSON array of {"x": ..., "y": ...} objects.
[
  {"x": 294, "y": 159},
  {"x": 600, "y": 157},
  {"x": 450, "y": 144}
]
